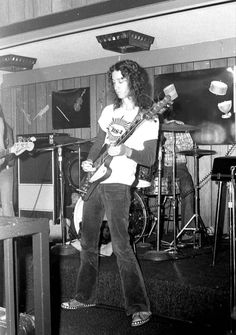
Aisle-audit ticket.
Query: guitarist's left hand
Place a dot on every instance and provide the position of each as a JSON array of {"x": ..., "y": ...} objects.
[{"x": 119, "y": 150}]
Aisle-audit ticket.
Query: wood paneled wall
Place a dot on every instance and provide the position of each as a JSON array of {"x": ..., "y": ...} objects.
[
  {"x": 12, "y": 11},
  {"x": 22, "y": 101}
]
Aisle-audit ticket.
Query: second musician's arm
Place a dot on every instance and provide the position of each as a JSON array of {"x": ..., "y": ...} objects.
[{"x": 147, "y": 156}]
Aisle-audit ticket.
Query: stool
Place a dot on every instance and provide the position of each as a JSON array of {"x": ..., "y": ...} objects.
[
  {"x": 221, "y": 173},
  {"x": 219, "y": 207}
]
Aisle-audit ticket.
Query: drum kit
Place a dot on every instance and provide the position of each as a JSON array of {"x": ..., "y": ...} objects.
[{"x": 199, "y": 227}]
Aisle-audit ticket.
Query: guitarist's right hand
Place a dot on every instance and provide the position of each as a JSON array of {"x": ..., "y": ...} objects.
[{"x": 87, "y": 166}]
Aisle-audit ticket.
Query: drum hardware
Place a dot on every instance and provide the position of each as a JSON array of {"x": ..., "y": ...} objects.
[
  {"x": 199, "y": 225},
  {"x": 172, "y": 251},
  {"x": 197, "y": 152},
  {"x": 176, "y": 127},
  {"x": 57, "y": 146},
  {"x": 83, "y": 147},
  {"x": 173, "y": 246},
  {"x": 157, "y": 255}
]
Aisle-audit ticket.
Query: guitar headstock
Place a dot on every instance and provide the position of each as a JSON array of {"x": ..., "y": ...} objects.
[
  {"x": 160, "y": 107},
  {"x": 19, "y": 147}
]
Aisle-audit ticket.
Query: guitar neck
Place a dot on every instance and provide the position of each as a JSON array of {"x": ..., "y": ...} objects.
[{"x": 101, "y": 159}]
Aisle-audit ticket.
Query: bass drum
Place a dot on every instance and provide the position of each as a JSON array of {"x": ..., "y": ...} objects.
[
  {"x": 78, "y": 214},
  {"x": 138, "y": 217},
  {"x": 74, "y": 172}
]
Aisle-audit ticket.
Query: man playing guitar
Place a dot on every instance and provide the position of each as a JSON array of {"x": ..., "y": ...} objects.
[{"x": 125, "y": 147}]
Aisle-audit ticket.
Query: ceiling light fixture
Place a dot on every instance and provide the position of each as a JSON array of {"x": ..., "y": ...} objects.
[
  {"x": 125, "y": 41},
  {"x": 15, "y": 63}
]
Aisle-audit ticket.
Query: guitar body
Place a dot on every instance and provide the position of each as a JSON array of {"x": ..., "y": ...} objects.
[{"x": 92, "y": 179}]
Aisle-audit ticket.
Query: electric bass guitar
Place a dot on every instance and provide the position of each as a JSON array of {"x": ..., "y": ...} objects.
[
  {"x": 101, "y": 165},
  {"x": 17, "y": 149}
]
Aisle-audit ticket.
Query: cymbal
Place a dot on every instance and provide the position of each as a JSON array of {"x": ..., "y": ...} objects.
[
  {"x": 53, "y": 147},
  {"x": 197, "y": 152},
  {"x": 176, "y": 127},
  {"x": 84, "y": 147},
  {"x": 67, "y": 140}
]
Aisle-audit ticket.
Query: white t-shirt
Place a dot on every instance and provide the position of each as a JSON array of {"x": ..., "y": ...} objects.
[{"x": 115, "y": 122}]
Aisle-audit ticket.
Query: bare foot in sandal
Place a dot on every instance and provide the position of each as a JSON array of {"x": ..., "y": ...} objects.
[
  {"x": 140, "y": 318},
  {"x": 74, "y": 304}
]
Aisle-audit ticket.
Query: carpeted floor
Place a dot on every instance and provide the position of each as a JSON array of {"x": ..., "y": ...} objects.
[
  {"x": 188, "y": 295},
  {"x": 106, "y": 321}
]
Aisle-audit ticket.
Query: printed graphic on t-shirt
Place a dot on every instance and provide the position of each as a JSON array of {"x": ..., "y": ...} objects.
[{"x": 116, "y": 128}]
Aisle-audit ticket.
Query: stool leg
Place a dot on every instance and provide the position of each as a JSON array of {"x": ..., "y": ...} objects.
[{"x": 218, "y": 203}]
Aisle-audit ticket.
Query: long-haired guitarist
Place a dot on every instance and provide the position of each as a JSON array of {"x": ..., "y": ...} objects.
[{"x": 125, "y": 146}]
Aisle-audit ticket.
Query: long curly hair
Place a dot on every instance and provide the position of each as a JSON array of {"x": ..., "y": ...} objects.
[{"x": 138, "y": 82}]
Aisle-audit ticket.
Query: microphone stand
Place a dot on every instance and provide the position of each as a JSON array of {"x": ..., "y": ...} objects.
[{"x": 62, "y": 249}]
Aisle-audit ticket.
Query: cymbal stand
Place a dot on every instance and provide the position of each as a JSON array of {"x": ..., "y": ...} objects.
[
  {"x": 62, "y": 249},
  {"x": 157, "y": 255},
  {"x": 173, "y": 244},
  {"x": 199, "y": 225},
  {"x": 157, "y": 221}
]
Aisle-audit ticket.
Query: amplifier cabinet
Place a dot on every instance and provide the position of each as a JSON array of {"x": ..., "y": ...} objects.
[{"x": 37, "y": 185}]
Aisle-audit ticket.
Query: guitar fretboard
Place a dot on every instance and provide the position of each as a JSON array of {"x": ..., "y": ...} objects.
[{"x": 141, "y": 116}]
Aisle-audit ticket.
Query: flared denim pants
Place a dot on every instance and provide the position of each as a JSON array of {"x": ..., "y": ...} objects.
[{"x": 114, "y": 200}]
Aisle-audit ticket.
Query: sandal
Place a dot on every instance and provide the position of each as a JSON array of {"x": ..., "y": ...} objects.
[
  {"x": 139, "y": 318},
  {"x": 74, "y": 304}
]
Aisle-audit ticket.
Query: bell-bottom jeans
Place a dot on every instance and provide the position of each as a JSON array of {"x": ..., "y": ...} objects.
[{"x": 114, "y": 200}]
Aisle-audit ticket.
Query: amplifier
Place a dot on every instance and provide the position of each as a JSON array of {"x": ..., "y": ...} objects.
[
  {"x": 221, "y": 170},
  {"x": 45, "y": 139}
]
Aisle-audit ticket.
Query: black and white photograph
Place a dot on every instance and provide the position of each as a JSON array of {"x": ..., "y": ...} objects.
[{"x": 118, "y": 167}]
